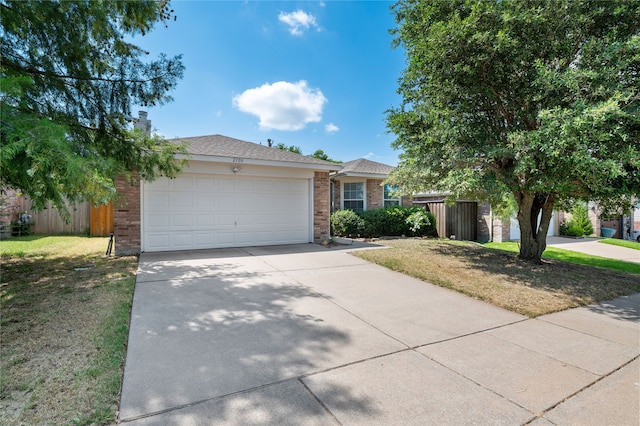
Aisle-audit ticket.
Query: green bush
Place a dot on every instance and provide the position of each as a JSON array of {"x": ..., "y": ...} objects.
[
  {"x": 580, "y": 215},
  {"x": 381, "y": 222},
  {"x": 391, "y": 221},
  {"x": 579, "y": 224},
  {"x": 571, "y": 229},
  {"x": 346, "y": 223},
  {"x": 421, "y": 223}
]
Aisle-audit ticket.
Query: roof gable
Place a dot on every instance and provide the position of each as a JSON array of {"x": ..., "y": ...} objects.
[{"x": 362, "y": 167}]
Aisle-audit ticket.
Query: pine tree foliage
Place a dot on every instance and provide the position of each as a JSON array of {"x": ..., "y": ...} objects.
[
  {"x": 532, "y": 100},
  {"x": 69, "y": 78}
]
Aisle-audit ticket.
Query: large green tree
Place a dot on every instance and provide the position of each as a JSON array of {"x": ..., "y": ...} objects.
[
  {"x": 532, "y": 100},
  {"x": 69, "y": 77}
]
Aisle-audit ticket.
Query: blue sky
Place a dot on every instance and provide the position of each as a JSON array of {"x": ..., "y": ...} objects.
[{"x": 318, "y": 75}]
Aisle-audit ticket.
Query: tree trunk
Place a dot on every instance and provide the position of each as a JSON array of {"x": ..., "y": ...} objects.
[{"x": 533, "y": 235}]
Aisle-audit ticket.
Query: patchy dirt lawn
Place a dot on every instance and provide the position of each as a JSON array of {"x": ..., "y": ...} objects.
[
  {"x": 500, "y": 278},
  {"x": 65, "y": 314}
]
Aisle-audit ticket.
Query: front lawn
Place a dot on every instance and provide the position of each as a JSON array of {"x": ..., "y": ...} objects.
[
  {"x": 63, "y": 331},
  {"x": 622, "y": 243},
  {"x": 498, "y": 277},
  {"x": 574, "y": 257}
]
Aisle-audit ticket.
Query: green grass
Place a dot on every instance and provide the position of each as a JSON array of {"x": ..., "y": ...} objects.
[
  {"x": 621, "y": 243},
  {"x": 40, "y": 245},
  {"x": 573, "y": 257}
]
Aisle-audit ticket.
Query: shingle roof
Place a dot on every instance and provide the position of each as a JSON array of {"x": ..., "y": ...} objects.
[
  {"x": 224, "y": 146},
  {"x": 364, "y": 166}
]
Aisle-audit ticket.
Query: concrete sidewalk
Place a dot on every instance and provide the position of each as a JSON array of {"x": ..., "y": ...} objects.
[
  {"x": 305, "y": 335},
  {"x": 594, "y": 247}
]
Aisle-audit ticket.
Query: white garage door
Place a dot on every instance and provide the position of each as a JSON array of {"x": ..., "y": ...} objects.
[
  {"x": 515, "y": 228},
  {"x": 197, "y": 211}
]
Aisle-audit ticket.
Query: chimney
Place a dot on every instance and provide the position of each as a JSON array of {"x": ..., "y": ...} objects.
[{"x": 142, "y": 123}]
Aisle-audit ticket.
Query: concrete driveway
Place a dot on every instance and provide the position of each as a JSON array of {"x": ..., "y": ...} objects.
[{"x": 307, "y": 335}]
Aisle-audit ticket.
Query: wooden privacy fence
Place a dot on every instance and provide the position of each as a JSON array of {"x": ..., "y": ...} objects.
[
  {"x": 101, "y": 219},
  {"x": 85, "y": 219},
  {"x": 459, "y": 220}
]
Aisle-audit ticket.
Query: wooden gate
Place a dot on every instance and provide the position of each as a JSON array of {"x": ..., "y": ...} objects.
[
  {"x": 613, "y": 222},
  {"x": 101, "y": 220}
]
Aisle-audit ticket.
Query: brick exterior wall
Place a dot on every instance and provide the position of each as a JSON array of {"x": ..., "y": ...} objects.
[
  {"x": 501, "y": 230},
  {"x": 337, "y": 193},
  {"x": 594, "y": 218},
  {"x": 127, "y": 217},
  {"x": 321, "y": 207},
  {"x": 375, "y": 194},
  {"x": 406, "y": 201}
]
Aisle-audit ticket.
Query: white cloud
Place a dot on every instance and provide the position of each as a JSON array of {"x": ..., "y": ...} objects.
[
  {"x": 369, "y": 155},
  {"x": 331, "y": 128},
  {"x": 298, "y": 21},
  {"x": 282, "y": 105}
]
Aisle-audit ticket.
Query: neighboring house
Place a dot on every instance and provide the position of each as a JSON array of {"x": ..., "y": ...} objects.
[
  {"x": 358, "y": 186},
  {"x": 232, "y": 193}
]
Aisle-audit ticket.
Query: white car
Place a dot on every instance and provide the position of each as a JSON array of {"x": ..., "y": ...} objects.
[{"x": 635, "y": 235}]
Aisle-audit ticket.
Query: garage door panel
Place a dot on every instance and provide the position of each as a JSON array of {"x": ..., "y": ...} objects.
[
  {"x": 182, "y": 220},
  {"x": 225, "y": 239},
  {"x": 184, "y": 183},
  {"x": 206, "y": 220},
  {"x": 159, "y": 201},
  {"x": 155, "y": 241},
  {"x": 265, "y": 185},
  {"x": 225, "y": 184},
  {"x": 204, "y": 202},
  {"x": 182, "y": 240},
  {"x": 205, "y": 239},
  {"x": 158, "y": 221},
  {"x": 225, "y": 220},
  {"x": 197, "y": 211},
  {"x": 206, "y": 184},
  {"x": 246, "y": 204},
  {"x": 182, "y": 200}
]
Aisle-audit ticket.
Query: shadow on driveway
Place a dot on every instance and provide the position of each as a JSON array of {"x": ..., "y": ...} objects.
[{"x": 215, "y": 323}]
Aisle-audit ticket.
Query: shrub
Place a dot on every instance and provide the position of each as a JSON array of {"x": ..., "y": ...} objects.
[
  {"x": 391, "y": 221},
  {"x": 421, "y": 223},
  {"x": 579, "y": 224},
  {"x": 571, "y": 229},
  {"x": 346, "y": 223},
  {"x": 388, "y": 221},
  {"x": 580, "y": 215}
]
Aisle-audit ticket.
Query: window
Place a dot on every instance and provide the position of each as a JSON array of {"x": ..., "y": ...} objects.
[
  {"x": 389, "y": 199},
  {"x": 353, "y": 196}
]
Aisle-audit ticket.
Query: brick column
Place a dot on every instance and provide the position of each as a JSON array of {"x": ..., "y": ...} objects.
[
  {"x": 127, "y": 217},
  {"x": 337, "y": 195},
  {"x": 375, "y": 194},
  {"x": 321, "y": 207},
  {"x": 484, "y": 219}
]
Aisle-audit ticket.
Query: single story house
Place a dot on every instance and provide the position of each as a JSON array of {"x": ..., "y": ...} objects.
[
  {"x": 358, "y": 186},
  {"x": 235, "y": 193},
  {"x": 232, "y": 193}
]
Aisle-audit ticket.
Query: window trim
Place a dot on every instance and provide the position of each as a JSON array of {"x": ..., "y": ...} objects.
[{"x": 364, "y": 195}]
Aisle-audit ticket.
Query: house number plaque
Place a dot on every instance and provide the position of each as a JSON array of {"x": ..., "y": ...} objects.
[{"x": 238, "y": 160}]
